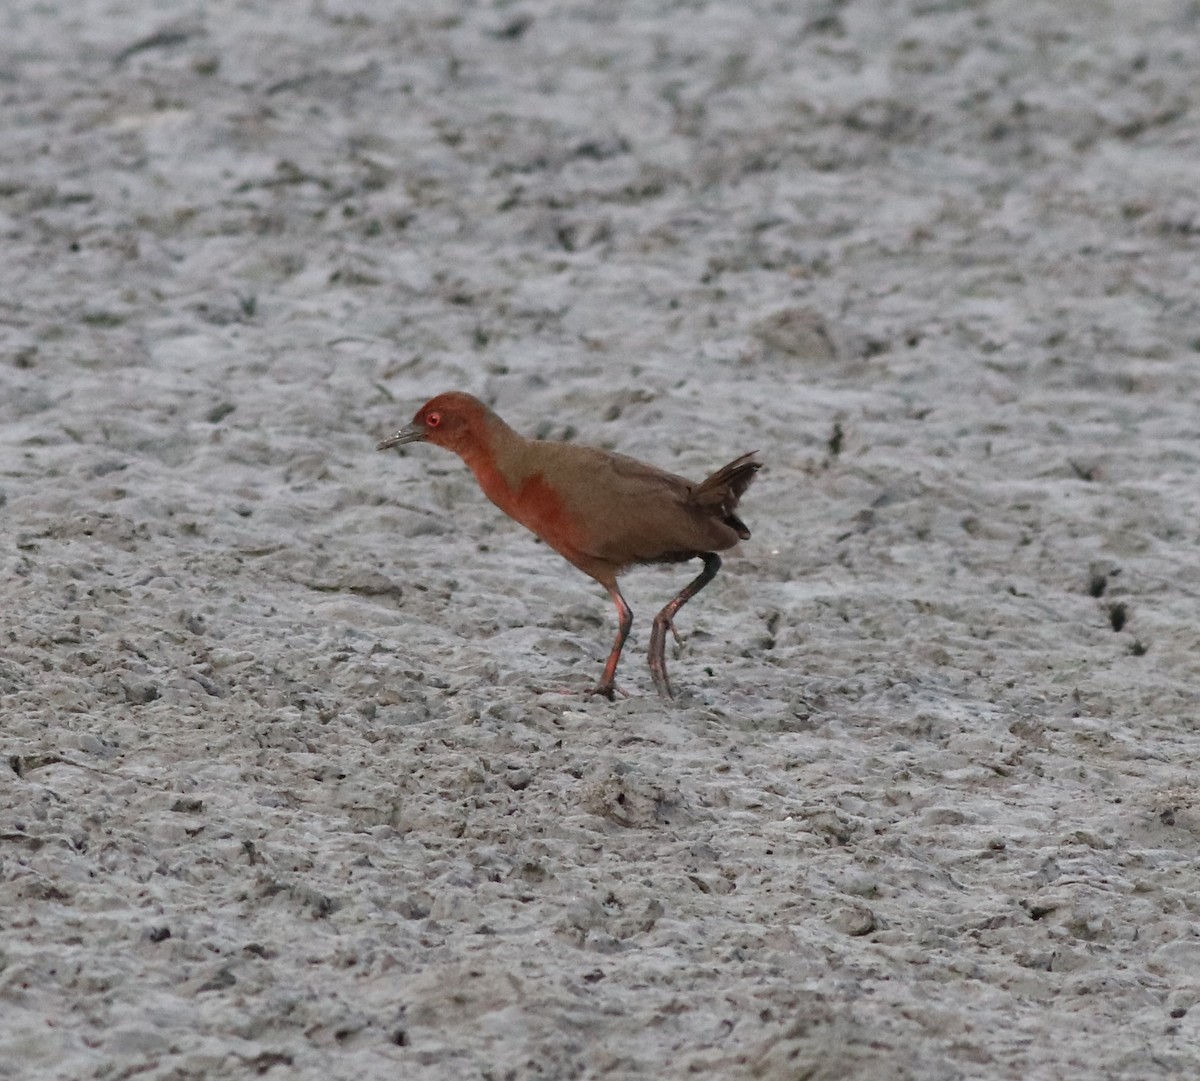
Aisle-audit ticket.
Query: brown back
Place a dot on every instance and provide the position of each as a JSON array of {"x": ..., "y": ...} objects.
[{"x": 629, "y": 512}]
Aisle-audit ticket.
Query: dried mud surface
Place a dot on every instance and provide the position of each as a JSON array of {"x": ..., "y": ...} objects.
[{"x": 289, "y": 785}]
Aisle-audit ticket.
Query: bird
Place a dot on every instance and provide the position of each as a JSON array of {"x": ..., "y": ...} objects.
[{"x": 603, "y": 512}]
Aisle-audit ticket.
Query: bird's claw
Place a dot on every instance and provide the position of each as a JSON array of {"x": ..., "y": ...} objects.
[{"x": 606, "y": 690}]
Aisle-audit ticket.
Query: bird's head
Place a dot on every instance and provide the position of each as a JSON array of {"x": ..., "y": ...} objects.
[{"x": 452, "y": 420}]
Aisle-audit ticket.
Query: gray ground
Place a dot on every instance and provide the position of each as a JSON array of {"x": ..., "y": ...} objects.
[{"x": 290, "y": 786}]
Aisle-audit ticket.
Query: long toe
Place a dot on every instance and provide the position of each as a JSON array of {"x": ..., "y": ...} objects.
[
  {"x": 658, "y": 672},
  {"x": 658, "y": 654},
  {"x": 606, "y": 690}
]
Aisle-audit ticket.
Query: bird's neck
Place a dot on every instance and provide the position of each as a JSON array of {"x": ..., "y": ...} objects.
[{"x": 495, "y": 455}]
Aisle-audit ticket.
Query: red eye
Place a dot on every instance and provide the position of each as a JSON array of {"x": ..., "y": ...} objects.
[{"x": 432, "y": 420}]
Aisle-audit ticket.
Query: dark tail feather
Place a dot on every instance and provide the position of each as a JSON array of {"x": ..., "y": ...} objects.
[{"x": 720, "y": 493}]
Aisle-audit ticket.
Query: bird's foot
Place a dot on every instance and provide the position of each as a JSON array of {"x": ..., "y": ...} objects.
[{"x": 606, "y": 690}]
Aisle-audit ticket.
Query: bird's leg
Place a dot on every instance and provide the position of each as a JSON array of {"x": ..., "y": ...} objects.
[
  {"x": 607, "y": 685},
  {"x": 666, "y": 618}
]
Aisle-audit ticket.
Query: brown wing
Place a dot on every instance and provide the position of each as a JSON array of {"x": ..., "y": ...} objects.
[{"x": 638, "y": 513}]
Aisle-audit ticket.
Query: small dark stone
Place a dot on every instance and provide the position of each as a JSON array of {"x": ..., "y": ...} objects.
[
  {"x": 224, "y": 978},
  {"x": 514, "y": 28},
  {"x": 519, "y": 779},
  {"x": 264, "y": 1062},
  {"x": 139, "y": 694}
]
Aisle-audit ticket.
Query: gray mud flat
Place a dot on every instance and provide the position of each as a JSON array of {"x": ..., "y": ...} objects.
[{"x": 289, "y": 785}]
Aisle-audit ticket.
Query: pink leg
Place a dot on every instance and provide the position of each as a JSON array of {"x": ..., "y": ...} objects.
[
  {"x": 607, "y": 685},
  {"x": 666, "y": 619}
]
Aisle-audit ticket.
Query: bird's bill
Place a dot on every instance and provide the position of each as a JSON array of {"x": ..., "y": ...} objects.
[{"x": 409, "y": 434}]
